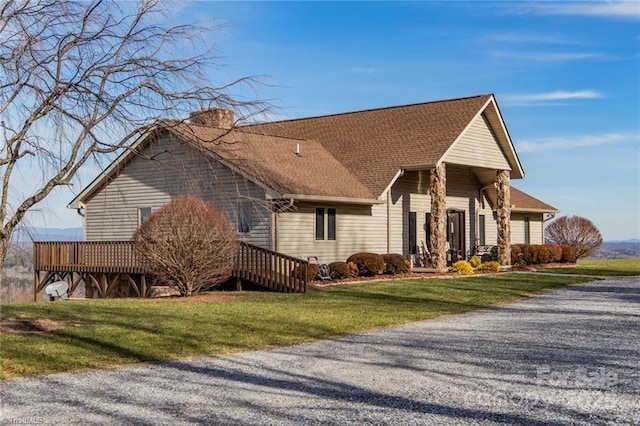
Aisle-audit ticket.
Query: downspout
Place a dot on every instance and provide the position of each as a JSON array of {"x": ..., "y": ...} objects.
[{"x": 389, "y": 221}]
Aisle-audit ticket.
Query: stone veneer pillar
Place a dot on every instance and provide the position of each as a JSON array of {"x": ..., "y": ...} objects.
[
  {"x": 438, "y": 193},
  {"x": 503, "y": 212}
]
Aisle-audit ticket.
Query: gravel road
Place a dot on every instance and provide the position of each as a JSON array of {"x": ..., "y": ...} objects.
[{"x": 566, "y": 357}]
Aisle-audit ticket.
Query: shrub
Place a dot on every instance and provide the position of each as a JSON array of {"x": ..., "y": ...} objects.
[
  {"x": 536, "y": 254},
  {"x": 339, "y": 270},
  {"x": 462, "y": 267},
  {"x": 491, "y": 266},
  {"x": 368, "y": 264},
  {"x": 475, "y": 261},
  {"x": 555, "y": 252},
  {"x": 568, "y": 254},
  {"x": 354, "y": 269},
  {"x": 577, "y": 232},
  {"x": 394, "y": 264},
  {"x": 188, "y": 245},
  {"x": 407, "y": 265},
  {"x": 312, "y": 272}
]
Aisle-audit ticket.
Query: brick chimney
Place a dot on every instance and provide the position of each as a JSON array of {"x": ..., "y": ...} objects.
[{"x": 213, "y": 117}]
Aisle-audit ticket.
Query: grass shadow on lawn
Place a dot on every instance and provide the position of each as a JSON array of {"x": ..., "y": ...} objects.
[{"x": 122, "y": 331}]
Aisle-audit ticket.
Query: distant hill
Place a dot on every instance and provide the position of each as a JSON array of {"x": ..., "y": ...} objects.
[
  {"x": 627, "y": 249},
  {"x": 47, "y": 234}
]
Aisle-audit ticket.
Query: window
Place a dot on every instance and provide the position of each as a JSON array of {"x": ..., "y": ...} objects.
[
  {"x": 325, "y": 223},
  {"x": 482, "y": 239},
  {"x": 331, "y": 224},
  {"x": 413, "y": 243},
  {"x": 244, "y": 216},
  {"x": 427, "y": 230},
  {"x": 527, "y": 231},
  {"x": 143, "y": 214}
]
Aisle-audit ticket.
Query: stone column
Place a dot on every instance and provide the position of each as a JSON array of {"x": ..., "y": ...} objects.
[
  {"x": 438, "y": 193},
  {"x": 503, "y": 212}
]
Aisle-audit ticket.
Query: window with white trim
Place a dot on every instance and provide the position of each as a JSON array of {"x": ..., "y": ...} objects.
[{"x": 325, "y": 224}]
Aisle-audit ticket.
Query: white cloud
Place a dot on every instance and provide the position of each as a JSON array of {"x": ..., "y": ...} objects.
[
  {"x": 609, "y": 9},
  {"x": 522, "y": 37},
  {"x": 558, "y": 95},
  {"x": 547, "y": 56},
  {"x": 565, "y": 143}
]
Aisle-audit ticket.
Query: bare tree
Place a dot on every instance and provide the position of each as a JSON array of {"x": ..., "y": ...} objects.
[
  {"x": 188, "y": 244},
  {"x": 575, "y": 231},
  {"x": 81, "y": 80}
]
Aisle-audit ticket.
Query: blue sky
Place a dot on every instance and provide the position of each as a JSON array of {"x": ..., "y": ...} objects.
[{"x": 566, "y": 77}]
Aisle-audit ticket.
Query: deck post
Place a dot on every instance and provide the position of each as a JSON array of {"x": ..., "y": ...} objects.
[{"x": 36, "y": 283}]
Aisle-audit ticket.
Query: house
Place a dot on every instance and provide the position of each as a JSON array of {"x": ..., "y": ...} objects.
[{"x": 383, "y": 180}]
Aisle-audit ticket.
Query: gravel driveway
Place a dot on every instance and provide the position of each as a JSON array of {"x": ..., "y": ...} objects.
[{"x": 570, "y": 356}]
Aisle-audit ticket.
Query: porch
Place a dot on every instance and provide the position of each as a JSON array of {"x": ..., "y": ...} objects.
[{"x": 109, "y": 268}]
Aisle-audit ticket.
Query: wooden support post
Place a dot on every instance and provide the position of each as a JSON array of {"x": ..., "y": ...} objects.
[
  {"x": 132, "y": 283},
  {"x": 112, "y": 285},
  {"x": 36, "y": 283},
  {"x": 143, "y": 285}
]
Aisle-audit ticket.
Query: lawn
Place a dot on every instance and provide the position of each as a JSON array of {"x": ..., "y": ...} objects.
[
  {"x": 600, "y": 267},
  {"x": 124, "y": 331}
]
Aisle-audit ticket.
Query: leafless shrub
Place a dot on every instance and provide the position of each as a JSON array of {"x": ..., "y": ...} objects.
[
  {"x": 188, "y": 244},
  {"x": 574, "y": 231}
]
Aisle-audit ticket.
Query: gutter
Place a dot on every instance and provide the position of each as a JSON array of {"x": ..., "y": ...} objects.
[{"x": 330, "y": 199}]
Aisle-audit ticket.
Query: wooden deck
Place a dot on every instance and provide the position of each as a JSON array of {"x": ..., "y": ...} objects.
[{"x": 108, "y": 268}]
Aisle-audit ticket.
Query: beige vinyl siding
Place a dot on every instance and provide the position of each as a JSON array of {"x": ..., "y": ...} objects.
[
  {"x": 358, "y": 228},
  {"x": 518, "y": 226},
  {"x": 168, "y": 169},
  {"x": 478, "y": 147},
  {"x": 491, "y": 224}
]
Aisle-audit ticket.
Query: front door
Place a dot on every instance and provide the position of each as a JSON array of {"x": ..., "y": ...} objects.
[{"x": 455, "y": 234}]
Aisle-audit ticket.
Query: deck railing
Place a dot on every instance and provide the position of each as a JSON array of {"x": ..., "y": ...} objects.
[
  {"x": 87, "y": 256},
  {"x": 266, "y": 268},
  {"x": 271, "y": 269}
]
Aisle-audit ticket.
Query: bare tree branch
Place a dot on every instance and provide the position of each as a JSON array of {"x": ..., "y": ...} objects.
[{"x": 79, "y": 80}]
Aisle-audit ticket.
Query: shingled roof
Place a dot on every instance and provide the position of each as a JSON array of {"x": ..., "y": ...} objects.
[
  {"x": 292, "y": 167},
  {"x": 522, "y": 201},
  {"x": 375, "y": 144},
  {"x": 352, "y": 156}
]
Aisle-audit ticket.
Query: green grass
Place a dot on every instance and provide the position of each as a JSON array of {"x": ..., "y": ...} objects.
[
  {"x": 600, "y": 267},
  {"x": 123, "y": 331}
]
